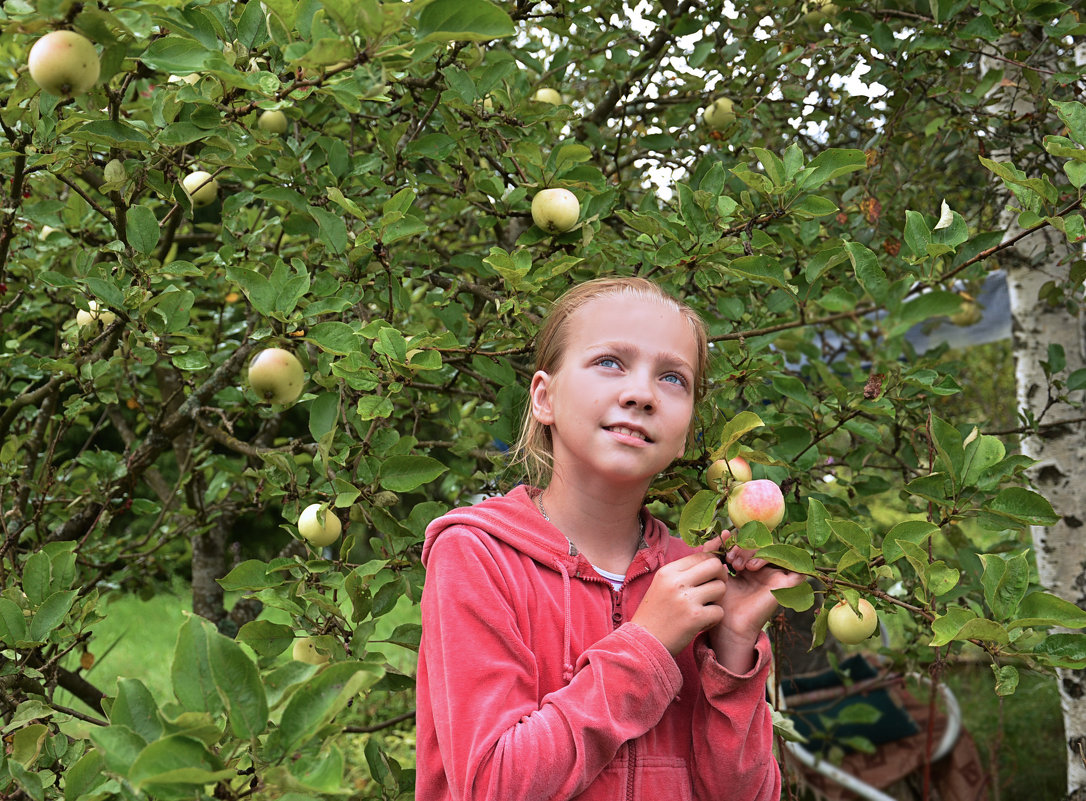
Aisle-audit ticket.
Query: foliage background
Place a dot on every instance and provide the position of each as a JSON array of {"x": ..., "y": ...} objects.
[{"x": 386, "y": 239}]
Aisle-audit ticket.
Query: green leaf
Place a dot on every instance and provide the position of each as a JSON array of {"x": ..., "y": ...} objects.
[
  {"x": 335, "y": 337},
  {"x": 734, "y": 430},
  {"x": 136, "y": 709},
  {"x": 1073, "y": 115},
  {"x": 176, "y": 759},
  {"x": 916, "y": 532},
  {"x": 463, "y": 20},
  {"x": 818, "y": 528},
  {"x": 175, "y": 54},
  {"x": 800, "y": 598},
  {"x": 51, "y": 614},
  {"x": 265, "y": 637},
  {"x": 698, "y": 515},
  {"x": 323, "y": 414},
  {"x": 981, "y": 454},
  {"x": 830, "y": 164},
  {"x": 1045, "y": 610},
  {"x": 962, "y": 624},
  {"x": 405, "y": 473},
  {"x": 1024, "y": 506},
  {"x": 789, "y": 557},
  {"x": 252, "y": 574},
  {"x": 142, "y": 227},
  {"x": 191, "y": 669},
  {"x": 1005, "y": 581},
  {"x": 1006, "y": 679},
  {"x": 12, "y": 623},
  {"x": 868, "y": 271},
  {"x": 316, "y": 703},
  {"x": 239, "y": 686},
  {"x": 84, "y": 776},
  {"x": 1064, "y": 650}
]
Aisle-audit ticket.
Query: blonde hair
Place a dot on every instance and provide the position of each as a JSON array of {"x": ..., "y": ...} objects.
[{"x": 533, "y": 452}]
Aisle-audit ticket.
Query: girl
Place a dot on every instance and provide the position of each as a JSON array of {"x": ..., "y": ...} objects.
[{"x": 571, "y": 647}]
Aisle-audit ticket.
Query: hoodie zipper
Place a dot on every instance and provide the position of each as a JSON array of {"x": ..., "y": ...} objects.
[{"x": 631, "y": 749}]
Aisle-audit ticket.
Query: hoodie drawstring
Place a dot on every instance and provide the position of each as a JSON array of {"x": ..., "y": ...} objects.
[{"x": 567, "y": 665}]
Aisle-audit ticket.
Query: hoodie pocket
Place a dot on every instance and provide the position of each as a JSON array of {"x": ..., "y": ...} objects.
[{"x": 658, "y": 778}]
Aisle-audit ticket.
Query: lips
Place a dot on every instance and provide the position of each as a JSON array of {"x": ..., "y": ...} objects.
[{"x": 629, "y": 431}]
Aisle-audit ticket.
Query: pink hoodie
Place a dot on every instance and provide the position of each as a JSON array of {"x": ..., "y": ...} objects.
[{"x": 534, "y": 684}]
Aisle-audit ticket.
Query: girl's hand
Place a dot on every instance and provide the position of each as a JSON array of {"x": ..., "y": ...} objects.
[
  {"x": 748, "y": 605},
  {"x": 685, "y": 598}
]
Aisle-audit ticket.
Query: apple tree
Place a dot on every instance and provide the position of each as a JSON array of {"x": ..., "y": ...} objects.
[{"x": 335, "y": 317}]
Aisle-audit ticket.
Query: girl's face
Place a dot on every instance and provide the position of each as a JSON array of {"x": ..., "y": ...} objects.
[{"x": 620, "y": 403}]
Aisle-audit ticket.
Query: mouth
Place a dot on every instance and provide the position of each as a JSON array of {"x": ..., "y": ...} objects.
[{"x": 627, "y": 431}]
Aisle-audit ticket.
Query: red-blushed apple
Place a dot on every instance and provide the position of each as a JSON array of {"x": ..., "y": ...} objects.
[
  {"x": 276, "y": 375},
  {"x": 201, "y": 188},
  {"x": 756, "y": 500},
  {"x": 273, "y": 121},
  {"x": 555, "y": 210},
  {"x": 720, "y": 114},
  {"x": 848, "y": 626},
  {"x": 318, "y": 533},
  {"x": 64, "y": 63},
  {"x": 735, "y": 469},
  {"x": 305, "y": 650}
]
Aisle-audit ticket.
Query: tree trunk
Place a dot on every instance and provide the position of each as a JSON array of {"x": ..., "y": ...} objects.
[{"x": 1059, "y": 442}]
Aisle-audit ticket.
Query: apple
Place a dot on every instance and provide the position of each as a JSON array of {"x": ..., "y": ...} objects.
[
  {"x": 756, "y": 500},
  {"x": 818, "y": 10},
  {"x": 305, "y": 650},
  {"x": 64, "y": 63},
  {"x": 719, "y": 114},
  {"x": 201, "y": 188},
  {"x": 547, "y": 95},
  {"x": 848, "y": 626},
  {"x": 310, "y": 527},
  {"x": 93, "y": 317},
  {"x": 969, "y": 313},
  {"x": 735, "y": 469},
  {"x": 276, "y": 375},
  {"x": 274, "y": 121},
  {"x": 555, "y": 210}
]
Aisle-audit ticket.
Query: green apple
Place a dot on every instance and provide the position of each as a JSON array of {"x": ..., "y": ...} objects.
[
  {"x": 305, "y": 650},
  {"x": 276, "y": 375},
  {"x": 273, "y": 121},
  {"x": 547, "y": 95},
  {"x": 756, "y": 500},
  {"x": 719, "y": 114},
  {"x": 851, "y": 626},
  {"x": 555, "y": 210},
  {"x": 318, "y": 533},
  {"x": 969, "y": 313},
  {"x": 201, "y": 188},
  {"x": 64, "y": 63},
  {"x": 735, "y": 469},
  {"x": 93, "y": 317}
]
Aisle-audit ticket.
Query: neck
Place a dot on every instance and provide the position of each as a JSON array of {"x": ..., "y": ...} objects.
[{"x": 605, "y": 528}]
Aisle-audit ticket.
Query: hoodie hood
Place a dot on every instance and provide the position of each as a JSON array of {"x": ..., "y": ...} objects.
[{"x": 515, "y": 520}]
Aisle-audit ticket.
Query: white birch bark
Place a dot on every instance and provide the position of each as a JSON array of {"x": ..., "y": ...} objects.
[{"x": 1060, "y": 444}]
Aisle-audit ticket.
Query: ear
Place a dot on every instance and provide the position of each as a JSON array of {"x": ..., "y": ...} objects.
[{"x": 540, "y": 397}]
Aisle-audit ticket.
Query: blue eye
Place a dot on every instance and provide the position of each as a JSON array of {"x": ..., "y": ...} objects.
[
  {"x": 607, "y": 361},
  {"x": 676, "y": 378}
]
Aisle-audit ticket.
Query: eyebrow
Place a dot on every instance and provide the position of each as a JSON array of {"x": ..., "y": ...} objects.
[{"x": 668, "y": 358}]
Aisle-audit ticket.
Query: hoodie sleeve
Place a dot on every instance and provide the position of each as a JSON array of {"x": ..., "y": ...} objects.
[
  {"x": 733, "y": 730},
  {"x": 497, "y": 739}
]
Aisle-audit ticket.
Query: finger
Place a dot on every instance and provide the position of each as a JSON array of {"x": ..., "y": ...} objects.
[{"x": 716, "y": 544}]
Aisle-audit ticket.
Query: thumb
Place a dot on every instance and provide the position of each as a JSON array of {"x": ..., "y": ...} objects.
[{"x": 716, "y": 544}]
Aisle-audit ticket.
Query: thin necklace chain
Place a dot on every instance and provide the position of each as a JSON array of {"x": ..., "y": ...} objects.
[{"x": 543, "y": 511}]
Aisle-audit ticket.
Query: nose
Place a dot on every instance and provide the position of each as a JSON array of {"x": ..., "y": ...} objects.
[{"x": 638, "y": 392}]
